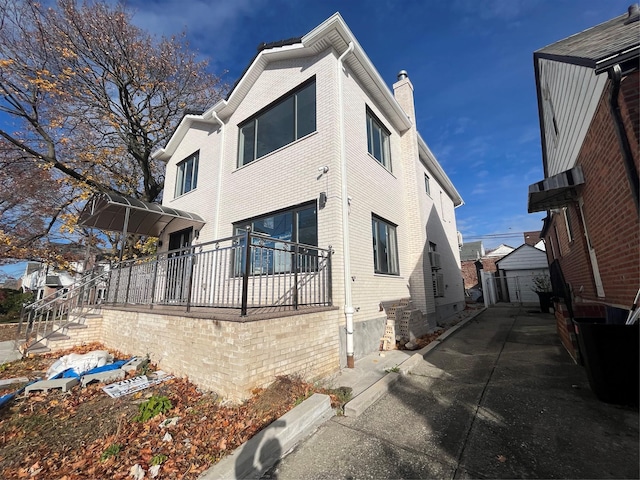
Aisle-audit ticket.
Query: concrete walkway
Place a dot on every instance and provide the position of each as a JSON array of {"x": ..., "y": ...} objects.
[
  {"x": 8, "y": 352},
  {"x": 498, "y": 398}
]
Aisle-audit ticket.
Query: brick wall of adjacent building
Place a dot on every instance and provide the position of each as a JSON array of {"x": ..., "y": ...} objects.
[
  {"x": 566, "y": 329},
  {"x": 469, "y": 273},
  {"x": 610, "y": 213}
]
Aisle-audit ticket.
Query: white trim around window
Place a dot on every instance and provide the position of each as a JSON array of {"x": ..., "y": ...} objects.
[
  {"x": 281, "y": 123},
  {"x": 187, "y": 174},
  {"x": 385, "y": 246},
  {"x": 378, "y": 140}
]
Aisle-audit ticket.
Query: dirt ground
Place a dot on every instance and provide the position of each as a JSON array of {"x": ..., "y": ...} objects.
[{"x": 84, "y": 433}]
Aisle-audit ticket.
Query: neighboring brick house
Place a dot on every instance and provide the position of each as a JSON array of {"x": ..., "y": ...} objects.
[
  {"x": 473, "y": 258},
  {"x": 534, "y": 239},
  {"x": 587, "y": 87},
  {"x": 470, "y": 253},
  {"x": 355, "y": 162}
]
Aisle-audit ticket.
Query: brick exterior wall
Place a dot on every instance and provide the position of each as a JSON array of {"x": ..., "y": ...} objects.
[
  {"x": 228, "y": 357},
  {"x": 566, "y": 329},
  {"x": 289, "y": 176},
  {"x": 469, "y": 273},
  {"x": 609, "y": 211},
  {"x": 93, "y": 332}
]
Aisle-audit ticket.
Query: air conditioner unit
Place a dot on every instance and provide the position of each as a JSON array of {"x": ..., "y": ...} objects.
[{"x": 434, "y": 259}]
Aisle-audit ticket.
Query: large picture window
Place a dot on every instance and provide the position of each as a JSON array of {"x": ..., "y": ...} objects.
[
  {"x": 297, "y": 225},
  {"x": 288, "y": 119},
  {"x": 187, "y": 175},
  {"x": 385, "y": 247},
  {"x": 378, "y": 140}
]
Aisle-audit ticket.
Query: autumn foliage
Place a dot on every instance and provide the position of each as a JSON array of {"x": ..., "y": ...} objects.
[{"x": 85, "y": 97}]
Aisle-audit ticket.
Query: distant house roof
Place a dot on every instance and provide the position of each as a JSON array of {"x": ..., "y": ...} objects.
[
  {"x": 500, "y": 251},
  {"x": 599, "y": 47},
  {"x": 525, "y": 257},
  {"x": 471, "y": 251}
]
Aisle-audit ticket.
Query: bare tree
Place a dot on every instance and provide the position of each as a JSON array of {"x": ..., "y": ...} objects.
[{"x": 90, "y": 96}]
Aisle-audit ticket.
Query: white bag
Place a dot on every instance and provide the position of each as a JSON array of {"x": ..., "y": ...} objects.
[{"x": 80, "y": 362}]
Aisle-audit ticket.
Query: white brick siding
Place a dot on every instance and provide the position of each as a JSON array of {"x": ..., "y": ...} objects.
[{"x": 289, "y": 176}]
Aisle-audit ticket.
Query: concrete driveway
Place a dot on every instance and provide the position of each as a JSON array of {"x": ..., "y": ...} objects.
[{"x": 499, "y": 398}]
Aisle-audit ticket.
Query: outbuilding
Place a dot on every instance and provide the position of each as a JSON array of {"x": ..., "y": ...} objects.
[{"x": 524, "y": 272}]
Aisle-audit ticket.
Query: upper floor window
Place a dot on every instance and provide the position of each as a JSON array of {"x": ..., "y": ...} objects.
[
  {"x": 427, "y": 187},
  {"x": 286, "y": 120},
  {"x": 385, "y": 246},
  {"x": 187, "y": 175},
  {"x": 378, "y": 140}
]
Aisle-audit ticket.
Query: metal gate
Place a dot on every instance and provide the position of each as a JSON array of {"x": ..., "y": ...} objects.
[{"x": 508, "y": 288}]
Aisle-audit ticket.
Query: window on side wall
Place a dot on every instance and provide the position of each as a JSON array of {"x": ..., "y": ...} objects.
[
  {"x": 427, "y": 187},
  {"x": 378, "y": 140},
  {"x": 385, "y": 246},
  {"x": 281, "y": 123},
  {"x": 187, "y": 175},
  {"x": 298, "y": 225},
  {"x": 567, "y": 224}
]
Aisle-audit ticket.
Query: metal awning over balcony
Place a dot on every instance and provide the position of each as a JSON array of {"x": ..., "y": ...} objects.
[
  {"x": 118, "y": 213},
  {"x": 555, "y": 191}
]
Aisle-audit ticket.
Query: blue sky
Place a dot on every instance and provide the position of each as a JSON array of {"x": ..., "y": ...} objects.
[{"x": 471, "y": 64}]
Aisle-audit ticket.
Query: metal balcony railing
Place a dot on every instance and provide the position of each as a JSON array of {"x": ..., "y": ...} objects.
[{"x": 241, "y": 272}]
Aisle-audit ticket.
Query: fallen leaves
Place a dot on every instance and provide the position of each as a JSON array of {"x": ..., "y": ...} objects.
[{"x": 64, "y": 435}]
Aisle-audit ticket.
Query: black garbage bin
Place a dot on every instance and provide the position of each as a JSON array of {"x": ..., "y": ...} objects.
[{"x": 610, "y": 354}]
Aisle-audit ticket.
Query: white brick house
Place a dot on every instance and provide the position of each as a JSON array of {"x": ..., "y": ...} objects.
[{"x": 312, "y": 146}]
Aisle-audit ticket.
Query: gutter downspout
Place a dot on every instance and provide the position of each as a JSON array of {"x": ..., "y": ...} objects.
[
  {"x": 615, "y": 74},
  {"x": 214, "y": 115},
  {"x": 348, "y": 301}
]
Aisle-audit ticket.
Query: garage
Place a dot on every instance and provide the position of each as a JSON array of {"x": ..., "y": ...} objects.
[{"x": 518, "y": 272}]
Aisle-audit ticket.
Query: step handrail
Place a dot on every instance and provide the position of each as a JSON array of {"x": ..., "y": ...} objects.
[{"x": 41, "y": 317}]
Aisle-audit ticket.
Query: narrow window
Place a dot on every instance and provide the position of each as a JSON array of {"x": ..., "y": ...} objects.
[
  {"x": 378, "y": 140},
  {"x": 427, "y": 187},
  {"x": 567, "y": 223},
  {"x": 385, "y": 247},
  {"x": 187, "y": 175},
  {"x": 281, "y": 123},
  {"x": 555, "y": 232}
]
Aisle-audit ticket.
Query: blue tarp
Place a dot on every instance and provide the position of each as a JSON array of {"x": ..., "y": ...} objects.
[{"x": 71, "y": 373}]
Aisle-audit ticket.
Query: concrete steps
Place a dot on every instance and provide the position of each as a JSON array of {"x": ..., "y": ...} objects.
[{"x": 83, "y": 328}]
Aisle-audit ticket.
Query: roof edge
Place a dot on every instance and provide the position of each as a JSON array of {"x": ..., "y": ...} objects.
[{"x": 439, "y": 172}]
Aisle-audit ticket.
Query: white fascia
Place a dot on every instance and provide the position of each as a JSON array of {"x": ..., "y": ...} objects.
[
  {"x": 402, "y": 122},
  {"x": 430, "y": 162}
]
